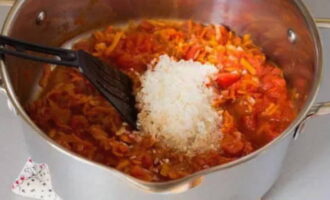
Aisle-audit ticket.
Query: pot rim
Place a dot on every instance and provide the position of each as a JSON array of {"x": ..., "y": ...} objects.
[{"x": 162, "y": 186}]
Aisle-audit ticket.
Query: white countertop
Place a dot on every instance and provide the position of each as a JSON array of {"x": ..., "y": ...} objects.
[{"x": 306, "y": 171}]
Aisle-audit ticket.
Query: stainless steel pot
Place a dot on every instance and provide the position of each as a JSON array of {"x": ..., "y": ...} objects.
[{"x": 285, "y": 30}]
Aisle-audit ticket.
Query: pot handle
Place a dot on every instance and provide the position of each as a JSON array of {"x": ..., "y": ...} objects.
[
  {"x": 7, "y": 2},
  {"x": 3, "y": 4},
  {"x": 322, "y": 22},
  {"x": 322, "y": 108}
]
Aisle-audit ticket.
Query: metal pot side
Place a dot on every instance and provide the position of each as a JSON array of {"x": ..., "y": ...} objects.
[{"x": 284, "y": 29}]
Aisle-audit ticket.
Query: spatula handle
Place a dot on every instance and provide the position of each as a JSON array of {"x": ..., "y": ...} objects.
[{"x": 24, "y": 49}]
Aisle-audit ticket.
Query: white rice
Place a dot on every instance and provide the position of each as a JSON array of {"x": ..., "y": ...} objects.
[{"x": 176, "y": 105}]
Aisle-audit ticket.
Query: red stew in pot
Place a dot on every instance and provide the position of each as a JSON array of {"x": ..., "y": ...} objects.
[{"x": 253, "y": 94}]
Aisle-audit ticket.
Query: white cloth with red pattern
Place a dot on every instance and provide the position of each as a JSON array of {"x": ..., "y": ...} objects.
[{"x": 34, "y": 181}]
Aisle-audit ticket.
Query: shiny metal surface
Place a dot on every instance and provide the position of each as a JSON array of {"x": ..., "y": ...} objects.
[
  {"x": 5, "y": 3},
  {"x": 322, "y": 22},
  {"x": 41, "y": 17},
  {"x": 320, "y": 109},
  {"x": 300, "y": 60},
  {"x": 292, "y": 36}
]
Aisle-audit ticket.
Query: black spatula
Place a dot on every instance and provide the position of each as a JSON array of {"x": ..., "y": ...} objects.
[{"x": 114, "y": 85}]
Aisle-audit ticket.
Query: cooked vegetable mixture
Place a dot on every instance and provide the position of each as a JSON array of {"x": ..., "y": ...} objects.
[{"x": 252, "y": 98}]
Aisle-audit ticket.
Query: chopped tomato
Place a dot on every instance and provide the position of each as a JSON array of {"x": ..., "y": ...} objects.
[
  {"x": 192, "y": 52},
  {"x": 249, "y": 123},
  {"x": 227, "y": 79},
  {"x": 233, "y": 144},
  {"x": 141, "y": 173}
]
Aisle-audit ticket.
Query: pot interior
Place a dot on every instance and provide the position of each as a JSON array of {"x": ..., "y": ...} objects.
[
  {"x": 286, "y": 34},
  {"x": 279, "y": 27}
]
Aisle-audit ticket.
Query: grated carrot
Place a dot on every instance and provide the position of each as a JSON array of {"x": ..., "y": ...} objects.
[
  {"x": 114, "y": 43},
  {"x": 271, "y": 109},
  {"x": 248, "y": 66}
]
